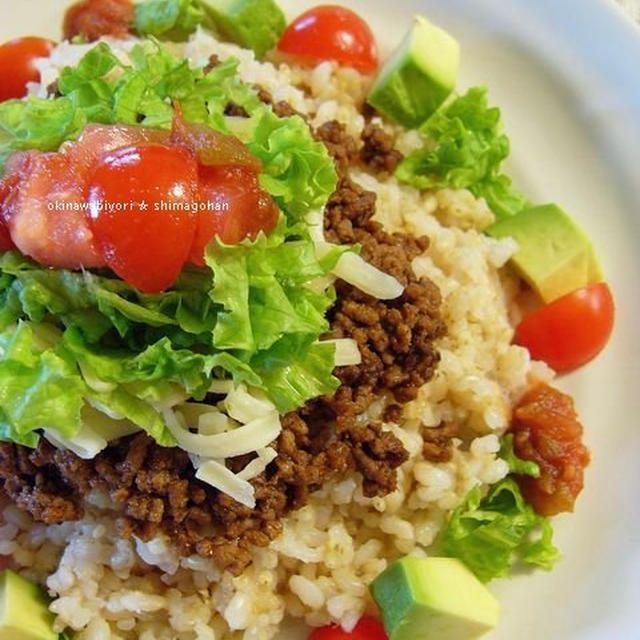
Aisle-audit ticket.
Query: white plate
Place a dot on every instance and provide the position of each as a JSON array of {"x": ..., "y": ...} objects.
[{"x": 566, "y": 74}]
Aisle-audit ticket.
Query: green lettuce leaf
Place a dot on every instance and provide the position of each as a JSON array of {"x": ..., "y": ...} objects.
[
  {"x": 297, "y": 169},
  {"x": 270, "y": 318},
  {"x": 38, "y": 124},
  {"x": 517, "y": 465},
  {"x": 465, "y": 148},
  {"x": 296, "y": 369},
  {"x": 170, "y": 19},
  {"x": 260, "y": 287},
  {"x": 159, "y": 362},
  {"x": 98, "y": 304},
  {"x": 39, "y": 387},
  {"x": 492, "y": 534}
]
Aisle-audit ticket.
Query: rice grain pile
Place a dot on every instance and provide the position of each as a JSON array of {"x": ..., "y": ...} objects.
[{"x": 319, "y": 569}]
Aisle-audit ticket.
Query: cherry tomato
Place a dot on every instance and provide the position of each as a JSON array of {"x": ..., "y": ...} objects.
[
  {"x": 232, "y": 206},
  {"x": 91, "y": 19},
  {"x": 367, "y": 629},
  {"x": 568, "y": 332},
  {"x": 147, "y": 234},
  {"x": 17, "y": 65},
  {"x": 330, "y": 32}
]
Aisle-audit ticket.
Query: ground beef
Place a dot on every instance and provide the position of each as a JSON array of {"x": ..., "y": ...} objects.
[
  {"x": 281, "y": 108},
  {"x": 342, "y": 147},
  {"x": 155, "y": 488},
  {"x": 377, "y": 152}
]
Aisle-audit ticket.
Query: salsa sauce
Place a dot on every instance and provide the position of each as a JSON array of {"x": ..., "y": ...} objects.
[{"x": 547, "y": 431}]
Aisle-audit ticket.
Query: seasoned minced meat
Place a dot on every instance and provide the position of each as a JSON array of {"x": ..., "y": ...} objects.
[
  {"x": 155, "y": 488},
  {"x": 377, "y": 152}
]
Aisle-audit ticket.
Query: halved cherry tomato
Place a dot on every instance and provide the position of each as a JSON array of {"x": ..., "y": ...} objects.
[
  {"x": 232, "y": 206},
  {"x": 330, "y": 32},
  {"x": 91, "y": 19},
  {"x": 367, "y": 629},
  {"x": 571, "y": 330},
  {"x": 147, "y": 236},
  {"x": 17, "y": 65}
]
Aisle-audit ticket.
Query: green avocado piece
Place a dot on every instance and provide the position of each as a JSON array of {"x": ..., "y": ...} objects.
[
  {"x": 433, "y": 599},
  {"x": 554, "y": 255},
  {"x": 24, "y": 611},
  {"x": 255, "y": 24},
  {"x": 419, "y": 75}
]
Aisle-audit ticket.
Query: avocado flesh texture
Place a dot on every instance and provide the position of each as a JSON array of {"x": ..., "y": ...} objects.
[
  {"x": 24, "y": 611},
  {"x": 554, "y": 255},
  {"x": 433, "y": 599},
  {"x": 254, "y": 24},
  {"x": 419, "y": 75}
]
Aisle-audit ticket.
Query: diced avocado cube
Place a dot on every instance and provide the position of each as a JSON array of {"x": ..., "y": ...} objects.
[
  {"x": 554, "y": 255},
  {"x": 24, "y": 611},
  {"x": 433, "y": 599},
  {"x": 255, "y": 24},
  {"x": 419, "y": 76}
]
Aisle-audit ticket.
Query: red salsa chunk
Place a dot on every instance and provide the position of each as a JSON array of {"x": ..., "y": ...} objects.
[
  {"x": 91, "y": 19},
  {"x": 546, "y": 430}
]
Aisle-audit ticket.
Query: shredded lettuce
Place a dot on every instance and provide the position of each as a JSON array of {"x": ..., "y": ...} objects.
[
  {"x": 170, "y": 19},
  {"x": 295, "y": 170},
  {"x": 39, "y": 387},
  {"x": 494, "y": 533},
  {"x": 465, "y": 148}
]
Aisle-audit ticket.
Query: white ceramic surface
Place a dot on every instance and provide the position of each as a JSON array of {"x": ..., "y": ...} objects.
[{"x": 567, "y": 75}]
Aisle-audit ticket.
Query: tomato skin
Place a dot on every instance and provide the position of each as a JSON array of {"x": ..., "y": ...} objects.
[
  {"x": 233, "y": 206},
  {"x": 17, "y": 65},
  {"x": 331, "y": 32},
  {"x": 146, "y": 247},
  {"x": 568, "y": 332},
  {"x": 368, "y": 628},
  {"x": 91, "y": 19}
]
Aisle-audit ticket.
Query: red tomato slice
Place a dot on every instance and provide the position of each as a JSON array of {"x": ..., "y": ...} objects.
[
  {"x": 233, "y": 206},
  {"x": 91, "y": 19},
  {"x": 569, "y": 331},
  {"x": 17, "y": 65},
  {"x": 144, "y": 244},
  {"x": 46, "y": 214},
  {"x": 330, "y": 32},
  {"x": 367, "y": 629}
]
